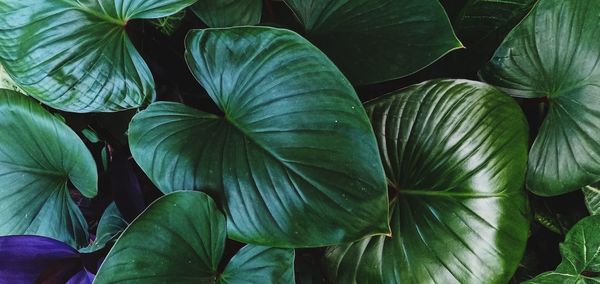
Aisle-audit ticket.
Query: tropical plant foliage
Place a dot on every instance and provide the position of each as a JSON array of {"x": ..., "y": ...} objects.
[{"x": 309, "y": 141}]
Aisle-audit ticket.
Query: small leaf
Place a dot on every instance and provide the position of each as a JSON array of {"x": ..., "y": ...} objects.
[
  {"x": 180, "y": 237},
  {"x": 75, "y": 55},
  {"x": 37, "y": 159},
  {"x": 109, "y": 228},
  {"x": 256, "y": 264},
  {"x": 377, "y": 40},
  {"x": 552, "y": 54},
  {"x": 294, "y": 159},
  {"x": 581, "y": 255},
  {"x": 228, "y": 13},
  {"x": 591, "y": 193},
  {"x": 455, "y": 153}
]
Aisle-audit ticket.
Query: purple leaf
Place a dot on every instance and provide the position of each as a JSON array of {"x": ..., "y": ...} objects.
[{"x": 29, "y": 259}]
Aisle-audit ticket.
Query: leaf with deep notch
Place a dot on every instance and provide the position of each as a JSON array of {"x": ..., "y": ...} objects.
[
  {"x": 75, "y": 55},
  {"x": 455, "y": 152},
  {"x": 555, "y": 54},
  {"x": 294, "y": 159},
  {"x": 39, "y": 154}
]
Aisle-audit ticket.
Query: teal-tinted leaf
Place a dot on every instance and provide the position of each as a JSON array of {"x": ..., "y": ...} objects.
[
  {"x": 591, "y": 193},
  {"x": 39, "y": 155},
  {"x": 484, "y": 23},
  {"x": 180, "y": 239},
  {"x": 377, "y": 40},
  {"x": 109, "y": 228},
  {"x": 581, "y": 255},
  {"x": 75, "y": 55},
  {"x": 256, "y": 264},
  {"x": 294, "y": 158},
  {"x": 455, "y": 153},
  {"x": 228, "y": 13},
  {"x": 554, "y": 53}
]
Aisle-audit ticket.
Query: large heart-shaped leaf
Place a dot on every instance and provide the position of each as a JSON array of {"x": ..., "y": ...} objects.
[
  {"x": 377, "y": 40},
  {"x": 580, "y": 255},
  {"x": 180, "y": 239},
  {"x": 294, "y": 158},
  {"x": 228, "y": 13},
  {"x": 75, "y": 55},
  {"x": 553, "y": 54},
  {"x": 455, "y": 153},
  {"x": 39, "y": 154}
]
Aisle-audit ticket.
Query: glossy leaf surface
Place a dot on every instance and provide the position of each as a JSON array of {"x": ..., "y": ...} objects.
[
  {"x": 256, "y": 264},
  {"x": 580, "y": 255},
  {"x": 455, "y": 154},
  {"x": 39, "y": 155},
  {"x": 75, "y": 55},
  {"x": 294, "y": 158},
  {"x": 179, "y": 238},
  {"x": 554, "y": 54},
  {"x": 377, "y": 40},
  {"x": 228, "y": 13}
]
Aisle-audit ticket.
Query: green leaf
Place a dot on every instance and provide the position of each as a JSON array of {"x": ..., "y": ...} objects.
[
  {"x": 294, "y": 159},
  {"x": 455, "y": 153},
  {"x": 581, "y": 255},
  {"x": 109, "y": 228},
  {"x": 39, "y": 154},
  {"x": 256, "y": 264},
  {"x": 75, "y": 55},
  {"x": 591, "y": 194},
  {"x": 483, "y": 23},
  {"x": 228, "y": 13},
  {"x": 552, "y": 54},
  {"x": 377, "y": 40},
  {"x": 180, "y": 238}
]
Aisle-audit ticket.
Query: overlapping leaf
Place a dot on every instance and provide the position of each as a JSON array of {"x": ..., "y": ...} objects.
[
  {"x": 180, "y": 238},
  {"x": 75, "y": 55},
  {"x": 228, "y": 13},
  {"x": 455, "y": 154},
  {"x": 554, "y": 54},
  {"x": 377, "y": 40},
  {"x": 294, "y": 159},
  {"x": 39, "y": 155},
  {"x": 109, "y": 228},
  {"x": 581, "y": 255}
]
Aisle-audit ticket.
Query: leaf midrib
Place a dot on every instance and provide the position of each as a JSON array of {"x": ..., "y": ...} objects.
[{"x": 101, "y": 16}]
